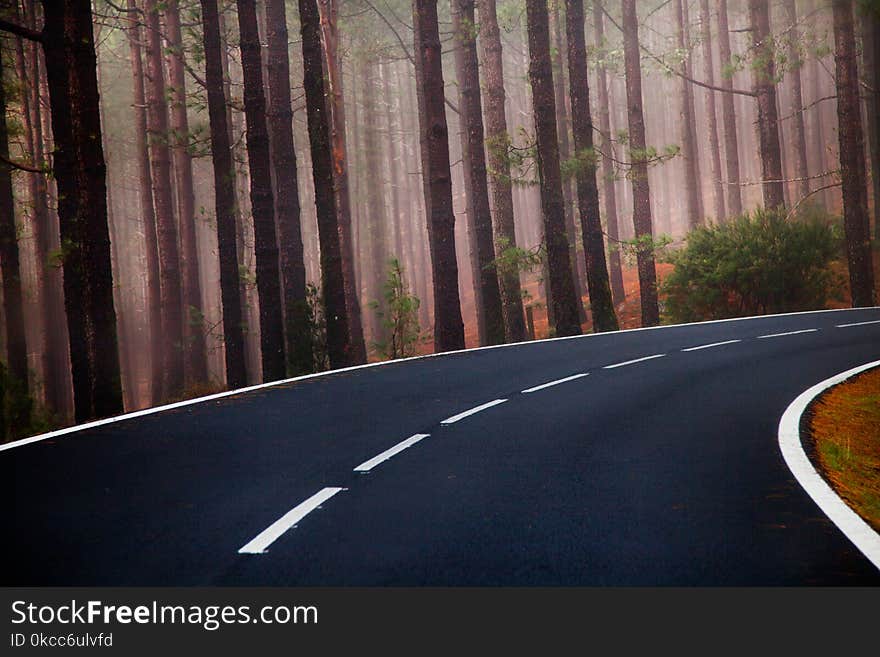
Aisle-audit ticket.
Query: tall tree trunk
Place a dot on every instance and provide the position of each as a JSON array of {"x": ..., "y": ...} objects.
[
  {"x": 339, "y": 346},
  {"x": 195, "y": 356},
  {"x": 689, "y": 151},
  {"x": 224, "y": 198},
  {"x": 497, "y": 141},
  {"x": 336, "y": 107},
  {"x": 448, "y": 325},
  {"x": 80, "y": 172},
  {"x": 557, "y": 51},
  {"x": 606, "y": 144},
  {"x": 711, "y": 116},
  {"x": 764, "y": 82},
  {"x": 641, "y": 192},
  {"x": 166, "y": 228},
  {"x": 377, "y": 219},
  {"x": 148, "y": 212},
  {"x": 601, "y": 305},
  {"x": 871, "y": 56},
  {"x": 797, "y": 102},
  {"x": 262, "y": 201},
  {"x": 562, "y": 291},
  {"x": 298, "y": 342},
  {"x": 852, "y": 157},
  {"x": 13, "y": 311},
  {"x": 728, "y": 117},
  {"x": 472, "y": 121}
]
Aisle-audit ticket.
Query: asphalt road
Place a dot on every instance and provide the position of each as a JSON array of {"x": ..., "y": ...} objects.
[{"x": 664, "y": 471}]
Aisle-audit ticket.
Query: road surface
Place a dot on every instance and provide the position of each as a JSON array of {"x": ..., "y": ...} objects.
[{"x": 644, "y": 457}]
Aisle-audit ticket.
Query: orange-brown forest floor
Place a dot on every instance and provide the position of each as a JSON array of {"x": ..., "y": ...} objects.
[{"x": 845, "y": 428}]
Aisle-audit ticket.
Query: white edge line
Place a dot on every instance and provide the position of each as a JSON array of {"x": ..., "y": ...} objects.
[
  {"x": 876, "y": 321},
  {"x": 555, "y": 383},
  {"x": 265, "y": 538},
  {"x": 632, "y": 362},
  {"x": 708, "y": 346},
  {"x": 780, "y": 335},
  {"x": 847, "y": 520},
  {"x": 472, "y": 411},
  {"x": 366, "y": 466},
  {"x": 260, "y": 386}
]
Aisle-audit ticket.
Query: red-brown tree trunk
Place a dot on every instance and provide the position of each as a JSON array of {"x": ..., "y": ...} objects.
[
  {"x": 562, "y": 291},
  {"x": 448, "y": 325},
  {"x": 639, "y": 174},
  {"x": 852, "y": 157}
]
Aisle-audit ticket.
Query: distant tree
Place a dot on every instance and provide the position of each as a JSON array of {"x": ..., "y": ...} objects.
[
  {"x": 639, "y": 172},
  {"x": 472, "y": 119},
  {"x": 606, "y": 146},
  {"x": 13, "y": 310},
  {"x": 764, "y": 85},
  {"x": 163, "y": 201},
  {"x": 794, "y": 63},
  {"x": 562, "y": 292},
  {"x": 497, "y": 141},
  {"x": 728, "y": 116},
  {"x": 710, "y": 112},
  {"x": 338, "y": 338},
  {"x": 601, "y": 305},
  {"x": 852, "y": 157},
  {"x": 690, "y": 154},
  {"x": 448, "y": 325},
  {"x": 224, "y": 198},
  {"x": 195, "y": 357}
]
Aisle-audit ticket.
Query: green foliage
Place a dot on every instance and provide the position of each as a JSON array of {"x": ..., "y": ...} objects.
[
  {"x": 515, "y": 259},
  {"x": 400, "y": 316},
  {"x": 20, "y": 416},
  {"x": 630, "y": 249},
  {"x": 754, "y": 264}
]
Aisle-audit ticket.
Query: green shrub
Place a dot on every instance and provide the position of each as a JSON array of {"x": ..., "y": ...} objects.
[
  {"x": 399, "y": 315},
  {"x": 752, "y": 265}
]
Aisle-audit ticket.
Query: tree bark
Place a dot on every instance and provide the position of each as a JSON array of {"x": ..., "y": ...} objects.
[
  {"x": 733, "y": 193},
  {"x": 298, "y": 341},
  {"x": 448, "y": 325},
  {"x": 80, "y": 173},
  {"x": 601, "y": 305},
  {"x": 689, "y": 151},
  {"x": 562, "y": 291},
  {"x": 871, "y": 57},
  {"x": 764, "y": 84},
  {"x": 13, "y": 311},
  {"x": 262, "y": 200},
  {"x": 711, "y": 115},
  {"x": 852, "y": 157},
  {"x": 332, "y": 277},
  {"x": 148, "y": 212},
  {"x": 336, "y": 108},
  {"x": 166, "y": 228},
  {"x": 799, "y": 145},
  {"x": 497, "y": 140},
  {"x": 195, "y": 356},
  {"x": 224, "y": 199},
  {"x": 606, "y": 144},
  {"x": 641, "y": 192},
  {"x": 472, "y": 119}
]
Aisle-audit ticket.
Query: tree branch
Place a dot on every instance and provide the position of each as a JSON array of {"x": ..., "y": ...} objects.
[
  {"x": 21, "y": 30},
  {"x": 21, "y": 166}
]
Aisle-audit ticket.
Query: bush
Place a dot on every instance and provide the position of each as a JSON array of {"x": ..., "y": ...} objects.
[
  {"x": 752, "y": 265},
  {"x": 400, "y": 315}
]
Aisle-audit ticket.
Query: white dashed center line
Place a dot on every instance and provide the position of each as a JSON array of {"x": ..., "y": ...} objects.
[
  {"x": 366, "y": 466},
  {"x": 264, "y": 539},
  {"x": 779, "y": 335},
  {"x": 555, "y": 383},
  {"x": 876, "y": 321},
  {"x": 709, "y": 346},
  {"x": 631, "y": 362},
  {"x": 476, "y": 409}
]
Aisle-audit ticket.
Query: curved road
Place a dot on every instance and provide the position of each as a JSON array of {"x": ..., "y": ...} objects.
[{"x": 662, "y": 471}]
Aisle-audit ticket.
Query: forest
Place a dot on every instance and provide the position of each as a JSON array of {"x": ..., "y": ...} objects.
[{"x": 200, "y": 195}]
